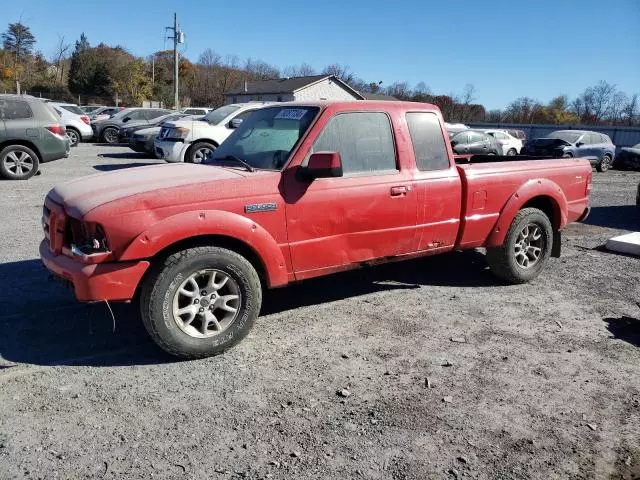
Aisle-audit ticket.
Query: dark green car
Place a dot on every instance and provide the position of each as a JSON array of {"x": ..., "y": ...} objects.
[{"x": 30, "y": 134}]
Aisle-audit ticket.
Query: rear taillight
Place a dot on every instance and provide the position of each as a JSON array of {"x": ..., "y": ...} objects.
[
  {"x": 588, "y": 187},
  {"x": 85, "y": 119},
  {"x": 56, "y": 130}
]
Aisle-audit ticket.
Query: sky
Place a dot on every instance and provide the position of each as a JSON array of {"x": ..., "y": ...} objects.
[{"x": 505, "y": 48}]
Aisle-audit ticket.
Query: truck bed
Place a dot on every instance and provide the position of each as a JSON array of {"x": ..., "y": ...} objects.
[{"x": 490, "y": 186}]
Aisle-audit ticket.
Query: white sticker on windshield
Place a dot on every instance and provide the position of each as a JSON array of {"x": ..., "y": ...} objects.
[{"x": 291, "y": 113}]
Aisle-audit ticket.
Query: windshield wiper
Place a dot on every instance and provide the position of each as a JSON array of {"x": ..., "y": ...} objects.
[{"x": 237, "y": 160}]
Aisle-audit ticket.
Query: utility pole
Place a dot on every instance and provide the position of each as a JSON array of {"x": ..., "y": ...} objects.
[{"x": 177, "y": 37}]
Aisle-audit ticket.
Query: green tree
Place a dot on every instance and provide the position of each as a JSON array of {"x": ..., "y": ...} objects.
[
  {"x": 18, "y": 41},
  {"x": 82, "y": 71}
]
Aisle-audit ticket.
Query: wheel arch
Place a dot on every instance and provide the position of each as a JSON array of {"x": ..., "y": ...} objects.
[
  {"x": 24, "y": 143},
  {"x": 541, "y": 193},
  {"x": 213, "y": 228}
]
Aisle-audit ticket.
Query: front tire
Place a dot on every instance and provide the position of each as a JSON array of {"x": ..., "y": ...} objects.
[
  {"x": 605, "y": 164},
  {"x": 201, "y": 301},
  {"x": 199, "y": 152},
  {"x": 18, "y": 162},
  {"x": 526, "y": 248},
  {"x": 511, "y": 152},
  {"x": 74, "y": 137},
  {"x": 110, "y": 135}
]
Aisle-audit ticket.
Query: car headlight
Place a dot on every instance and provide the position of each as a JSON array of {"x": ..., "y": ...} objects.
[{"x": 177, "y": 133}]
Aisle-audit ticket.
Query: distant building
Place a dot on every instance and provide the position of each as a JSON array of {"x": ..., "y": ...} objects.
[{"x": 315, "y": 87}]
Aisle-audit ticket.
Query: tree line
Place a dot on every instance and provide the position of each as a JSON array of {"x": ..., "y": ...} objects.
[{"x": 103, "y": 73}]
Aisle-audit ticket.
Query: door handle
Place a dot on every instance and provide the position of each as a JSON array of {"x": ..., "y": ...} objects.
[{"x": 400, "y": 191}]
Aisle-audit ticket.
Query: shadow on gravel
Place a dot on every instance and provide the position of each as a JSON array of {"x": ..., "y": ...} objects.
[
  {"x": 127, "y": 155},
  {"x": 625, "y": 328},
  {"x": 110, "y": 167},
  {"x": 458, "y": 269},
  {"x": 42, "y": 324},
  {"x": 623, "y": 217}
]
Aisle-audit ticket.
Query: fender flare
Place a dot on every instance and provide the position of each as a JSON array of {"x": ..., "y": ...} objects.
[
  {"x": 211, "y": 222},
  {"x": 534, "y": 188}
]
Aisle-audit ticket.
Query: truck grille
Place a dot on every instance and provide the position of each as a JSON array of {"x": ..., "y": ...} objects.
[{"x": 54, "y": 223}]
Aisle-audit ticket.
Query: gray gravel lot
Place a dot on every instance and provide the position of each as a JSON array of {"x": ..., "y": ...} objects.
[{"x": 350, "y": 376}]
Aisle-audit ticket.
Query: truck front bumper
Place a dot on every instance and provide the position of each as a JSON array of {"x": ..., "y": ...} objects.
[
  {"x": 115, "y": 281},
  {"x": 170, "y": 151}
]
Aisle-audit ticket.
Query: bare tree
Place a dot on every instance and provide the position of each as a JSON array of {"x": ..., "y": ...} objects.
[
  {"x": 400, "y": 90},
  {"x": 261, "y": 70},
  {"x": 465, "y": 101},
  {"x": 62, "y": 48},
  {"x": 302, "y": 70},
  {"x": 631, "y": 111},
  {"x": 343, "y": 72}
]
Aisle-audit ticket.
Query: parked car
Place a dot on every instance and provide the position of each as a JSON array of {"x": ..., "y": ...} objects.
[
  {"x": 510, "y": 145},
  {"x": 628, "y": 158},
  {"x": 129, "y": 128},
  {"x": 103, "y": 113},
  {"x": 299, "y": 191},
  {"x": 87, "y": 109},
  {"x": 519, "y": 134},
  {"x": 30, "y": 134},
  {"x": 638, "y": 195},
  {"x": 595, "y": 147},
  {"x": 193, "y": 141},
  {"x": 142, "y": 141},
  {"x": 107, "y": 130},
  {"x": 196, "y": 111},
  {"x": 76, "y": 123},
  {"x": 475, "y": 142},
  {"x": 453, "y": 128}
]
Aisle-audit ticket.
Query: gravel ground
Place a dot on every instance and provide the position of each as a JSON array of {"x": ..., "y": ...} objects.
[{"x": 417, "y": 370}]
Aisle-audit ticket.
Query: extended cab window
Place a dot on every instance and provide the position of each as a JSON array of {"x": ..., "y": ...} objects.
[
  {"x": 15, "y": 109},
  {"x": 363, "y": 139},
  {"x": 428, "y": 143}
]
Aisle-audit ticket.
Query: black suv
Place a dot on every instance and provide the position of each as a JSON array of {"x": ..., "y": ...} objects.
[{"x": 30, "y": 134}]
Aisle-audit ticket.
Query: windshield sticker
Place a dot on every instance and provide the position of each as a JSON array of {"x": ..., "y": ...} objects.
[{"x": 291, "y": 113}]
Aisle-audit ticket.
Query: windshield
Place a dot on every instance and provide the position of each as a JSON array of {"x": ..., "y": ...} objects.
[
  {"x": 266, "y": 138},
  {"x": 570, "y": 137},
  {"x": 219, "y": 114}
]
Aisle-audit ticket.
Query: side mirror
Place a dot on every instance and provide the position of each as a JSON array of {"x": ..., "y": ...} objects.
[
  {"x": 323, "y": 165},
  {"x": 235, "y": 123},
  {"x": 579, "y": 144},
  {"x": 126, "y": 119}
]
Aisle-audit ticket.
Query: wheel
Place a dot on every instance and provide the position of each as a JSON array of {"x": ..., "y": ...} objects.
[
  {"x": 74, "y": 137},
  {"x": 199, "y": 152},
  {"x": 110, "y": 135},
  {"x": 511, "y": 152},
  {"x": 18, "y": 162},
  {"x": 201, "y": 301},
  {"x": 526, "y": 248},
  {"x": 567, "y": 155},
  {"x": 605, "y": 164}
]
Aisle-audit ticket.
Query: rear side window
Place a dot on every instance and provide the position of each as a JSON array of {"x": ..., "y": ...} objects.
[
  {"x": 72, "y": 109},
  {"x": 429, "y": 145},
  {"x": 363, "y": 139},
  {"x": 15, "y": 109},
  {"x": 476, "y": 137}
]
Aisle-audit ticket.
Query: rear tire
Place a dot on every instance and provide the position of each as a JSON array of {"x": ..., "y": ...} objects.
[
  {"x": 181, "y": 298},
  {"x": 18, "y": 162},
  {"x": 605, "y": 164},
  {"x": 523, "y": 254},
  {"x": 512, "y": 152}
]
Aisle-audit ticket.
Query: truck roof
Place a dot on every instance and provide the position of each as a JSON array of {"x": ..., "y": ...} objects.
[{"x": 383, "y": 104}]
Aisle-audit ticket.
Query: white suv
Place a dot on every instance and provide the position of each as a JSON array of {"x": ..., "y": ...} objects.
[
  {"x": 510, "y": 144},
  {"x": 193, "y": 141},
  {"x": 75, "y": 122}
]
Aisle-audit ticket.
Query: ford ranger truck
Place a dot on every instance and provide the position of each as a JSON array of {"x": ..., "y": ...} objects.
[{"x": 297, "y": 191}]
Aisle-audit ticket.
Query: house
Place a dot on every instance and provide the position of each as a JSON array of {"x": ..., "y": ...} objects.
[
  {"x": 314, "y": 87},
  {"x": 377, "y": 96}
]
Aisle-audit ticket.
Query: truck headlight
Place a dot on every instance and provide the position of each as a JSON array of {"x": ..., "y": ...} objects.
[
  {"x": 178, "y": 133},
  {"x": 87, "y": 238}
]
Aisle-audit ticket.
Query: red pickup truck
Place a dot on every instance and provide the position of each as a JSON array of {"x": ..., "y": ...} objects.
[{"x": 297, "y": 191}]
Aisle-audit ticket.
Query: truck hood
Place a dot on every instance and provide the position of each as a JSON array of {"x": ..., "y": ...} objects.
[{"x": 84, "y": 194}]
